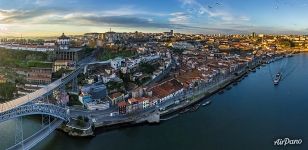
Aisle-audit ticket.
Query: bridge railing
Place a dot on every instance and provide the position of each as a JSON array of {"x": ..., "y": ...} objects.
[
  {"x": 35, "y": 108},
  {"x": 71, "y": 75},
  {"x": 39, "y": 93}
]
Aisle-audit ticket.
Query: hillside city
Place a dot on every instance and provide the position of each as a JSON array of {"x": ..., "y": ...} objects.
[{"x": 132, "y": 73}]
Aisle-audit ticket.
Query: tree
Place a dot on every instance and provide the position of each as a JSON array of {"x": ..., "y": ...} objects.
[
  {"x": 287, "y": 43},
  {"x": 7, "y": 90},
  {"x": 112, "y": 85},
  {"x": 80, "y": 121},
  {"x": 147, "y": 68},
  {"x": 177, "y": 51},
  {"x": 60, "y": 72}
]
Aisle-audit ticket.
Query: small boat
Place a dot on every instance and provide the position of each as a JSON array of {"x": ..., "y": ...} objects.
[
  {"x": 184, "y": 111},
  {"x": 195, "y": 107},
  {"x": 235, "y": 83},
  {"x": 290, "y": 55},
  {"x": 229, "y": 87},
  {"x": 221, "y": 92},
  {"x": 254, "y": 70},
  {"x": 277, "y": 78},
  {"x": 207, "y": 103},
  {"x": 165, "y": 119}
]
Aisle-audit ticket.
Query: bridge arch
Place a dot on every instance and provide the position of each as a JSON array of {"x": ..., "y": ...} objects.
[{"x": 36, "y": 109}]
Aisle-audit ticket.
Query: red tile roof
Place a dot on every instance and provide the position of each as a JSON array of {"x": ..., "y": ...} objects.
[
  {"x": 137, "y": 100},
  {"x": 122, "y": 104},
  {"x": 115, "y": 95},
  {"x": 166, "y": 88}
]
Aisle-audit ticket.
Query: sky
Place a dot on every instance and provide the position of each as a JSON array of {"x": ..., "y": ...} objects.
[{"x": 53, "y": 17}]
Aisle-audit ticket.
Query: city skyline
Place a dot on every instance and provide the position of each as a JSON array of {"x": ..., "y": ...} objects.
[{"x": 51, "y": 17}]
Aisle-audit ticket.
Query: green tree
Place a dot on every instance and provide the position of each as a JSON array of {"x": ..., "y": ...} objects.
[
  {"x": 7, "y": 90},
  {"x": 147, "y": 68}
]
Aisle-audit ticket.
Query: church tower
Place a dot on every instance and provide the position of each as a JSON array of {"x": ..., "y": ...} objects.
[{"x": 63, "y": 43}]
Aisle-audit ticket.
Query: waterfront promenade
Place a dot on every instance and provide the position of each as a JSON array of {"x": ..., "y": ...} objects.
[
  {"x": 252, "y": 109},
  {"x": 186, "y": 98}
]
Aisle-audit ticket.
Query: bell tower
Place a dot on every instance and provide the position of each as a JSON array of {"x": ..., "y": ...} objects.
[{"x": 63, "y": 43}]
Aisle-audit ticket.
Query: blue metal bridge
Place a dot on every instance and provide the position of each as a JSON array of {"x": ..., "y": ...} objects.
[{"x": 37, "y": 103}]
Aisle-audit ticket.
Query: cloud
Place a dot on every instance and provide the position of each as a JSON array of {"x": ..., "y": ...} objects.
[
  {"x": 179, "y": 18},
  {"x": 26, "y": 16},
  {"x": 122, "y": 17},
  {"x": 193, "y": 6},
  {"x": 124, "y": 21},
  {"x": 43, "y": 2},
  {"x": 3, "y": 29},
  {"x": 185, "y": 2},
  {"x": 244, "y": 18},
  {"x": 192, "y": 18}
]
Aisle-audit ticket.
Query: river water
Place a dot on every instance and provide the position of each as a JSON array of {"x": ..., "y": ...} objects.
[{"x": 252, "y": 115}]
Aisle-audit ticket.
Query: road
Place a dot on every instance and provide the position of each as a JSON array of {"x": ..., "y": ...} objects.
[
  {"x": 31, "y": 141},
  {"x": 46, "y": 90}
]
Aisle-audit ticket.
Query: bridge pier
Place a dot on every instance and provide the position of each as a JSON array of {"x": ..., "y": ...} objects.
[
  {"x": 48, "y": 124},
  {"x": 19, "y": 133},
  {"x": 38, "y": 103},
  {"x": 75, "y": 85}
]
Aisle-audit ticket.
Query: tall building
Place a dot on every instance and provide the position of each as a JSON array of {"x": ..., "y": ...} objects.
[
  {"x": 64, "y": 51},
  {"x": 168, "y": 34},
  {"x": 254, "y": 35},
  {"x": 67, "y": 56}
]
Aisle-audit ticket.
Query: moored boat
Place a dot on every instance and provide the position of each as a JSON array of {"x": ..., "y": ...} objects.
[
  {"x": 207, "y": 103},
  {"x": 277, "y": 78},
  {"x": 220, "y": 92}
]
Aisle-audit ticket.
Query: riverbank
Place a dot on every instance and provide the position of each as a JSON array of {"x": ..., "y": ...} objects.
[
  {"x": 208, "y": 93},
  {"x": 173, "y": 108}
]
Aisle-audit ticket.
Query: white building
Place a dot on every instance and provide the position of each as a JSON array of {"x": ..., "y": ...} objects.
[
  {"x": 117, "y": 63},
  {"x": 63, "y": 42}
]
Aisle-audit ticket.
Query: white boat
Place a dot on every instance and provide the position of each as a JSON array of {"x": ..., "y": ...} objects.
[
  {"x": 277, "y": 78},
  {"x": 165, "y": 119},
  {"x": 206, "y": 103},
  {"x": 290, "y": 55}
]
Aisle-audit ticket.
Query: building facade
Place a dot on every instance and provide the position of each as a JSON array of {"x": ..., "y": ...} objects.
[
  {"x": 65, "y": 52},
  {"x": 39, "y": 76}
]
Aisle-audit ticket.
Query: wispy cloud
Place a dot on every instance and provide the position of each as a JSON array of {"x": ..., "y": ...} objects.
[
  {"x": 179, "y": 18},
  {"x": 197, "y": 8},
  {"x": 191, "y": 16},
  {"x": 124, "y": 17},
  {"x": 43, "y": 2}
]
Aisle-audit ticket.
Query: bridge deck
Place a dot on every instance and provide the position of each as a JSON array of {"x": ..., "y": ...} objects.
[
  {"x": 39, "y": 93},
  {"x": 30, "y": 97},
  {"x": 31, "y": 141}
]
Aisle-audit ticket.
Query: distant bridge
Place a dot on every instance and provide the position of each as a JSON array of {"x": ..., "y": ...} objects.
[
  {"x": 34, "y": 139},
  {"x": 28, "y": 105},
  {"x": 41, "y": 93},
  {"x": 35, "y": 109},
  {"x": 33, "y": 104}
]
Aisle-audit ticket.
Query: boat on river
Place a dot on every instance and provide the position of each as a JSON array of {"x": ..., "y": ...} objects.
[
  {"x": 277, "y": 78},
  {"x": 207, "y": 103}
]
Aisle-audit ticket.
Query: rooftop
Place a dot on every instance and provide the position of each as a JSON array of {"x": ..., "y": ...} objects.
[
  {"x": 63, "y": 36},
  {"x": 122, "y": 104},
  {"x": 115, "y": 95},
  {"x": 167, "y": 88}
]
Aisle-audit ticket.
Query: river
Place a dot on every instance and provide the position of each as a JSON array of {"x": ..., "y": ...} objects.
[{"x": 251, "y": 115}]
